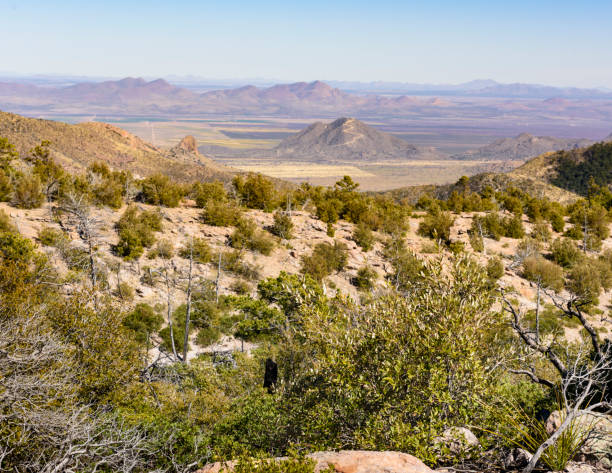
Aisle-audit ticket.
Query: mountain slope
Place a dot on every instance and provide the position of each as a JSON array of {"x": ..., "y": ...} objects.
[
  {"x": 77, "y": 146},
  {"x": 521, "y": 147},
  {"x": 347, "y": 139},
  {"x": 572, "y": 170}
]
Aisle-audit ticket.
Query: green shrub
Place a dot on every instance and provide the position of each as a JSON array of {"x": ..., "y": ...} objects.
[
  {"x": 198, "y": 248},
  {"x": 125, "y": 291},
  {"x": 28, "y": 192},
  {"x": 49, "y": 236},
  {"x": 495, "y": 268},
  {"x": 363, "y": 236},
  {"x": 163, "y": 249},
  {"x": 557, "y": 222},
  {"x": 586, "y": 280},
  {"x": 513, "y": 227},
  {"x": 247, "y": 235},
  {"x": 233, "y": 261},
  {"x": 240, "y": 287},
  {"x": 6, "y": 186},
  {"x": 407, "y": 267},
  {"x": 136, "y": 231},
  {"x": 456, "y": 247},
  {"x": 206, "y": 192},
  {"x": 221, "y": 214},
  {"x": 160, "y": 190},
  {"x": 540, "y": 231},
  {"x": 282, "y": 226},
  {"x": 476, "y": 242},
  {"x": 256, "y": 191},
  {"x": 143, "y": 321},
  {"x": 5, "y": 221},
  {"x": 260, "y": 320},
  {"x": 437, "y": 226},
  {"x": 325, "y": 259},
  {"x": 565, "y": 252},
  {"x": 378, "y": 369},
  {"x": 365, "y": 279},
  {"x": 538, "y": 269}
]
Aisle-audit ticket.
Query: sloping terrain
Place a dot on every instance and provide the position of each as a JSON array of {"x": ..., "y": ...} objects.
[
  {"x": 348, "y": 139},
  {"x": 521, "y": 147},
  {"x": 77, "y": 146}
]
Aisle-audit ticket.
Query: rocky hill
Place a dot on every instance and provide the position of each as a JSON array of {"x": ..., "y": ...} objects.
[
  {"x": 521, "y": 147},
  {"x": 348, "y": 139},
  {"x": 77, "y": 146}
]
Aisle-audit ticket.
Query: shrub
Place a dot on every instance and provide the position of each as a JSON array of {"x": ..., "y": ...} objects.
[
  {"x": 247, "y": 235},
  {"x": 385, "y": 365},
  {"x": 28, "y": 192},
  {"x": 240, "y": 287},
  {"x": 585, "y": 280},
  {"x": 437, "y": 226},
  {"x": 363, "y": 236},
  {"x": 476, "y": 242},
  {"x": 495, "y": 268},
  {"x": 365, "y": 279},
  {"x": 537, "y": 269},
  {"x": 325, "y": 259},
  {"x": 143, "y": 321},
  {"x": 163, "y": 249},
  {"x": 160, "y": 190},
  {"x": 457, "y": 247},
  {"x": 260, "y": 320},
  {"x": 407, "y": 267},
  {"x": 282, "y": 226},
  {"x": 221, "y": 214},
  {"x": 557, "y": 222},
  {"x": 206, "y": 192},
  {"x": 565, "y": 252},
  {"x": 6, "y": 187},
  {"x": 136, "y": 231},
  {"x": 513, "y": 227},
  {"x": 540, "y": 231},
  {"x": 49, "y": 236},
  {"x": 198, "y": 248},
  {"x": 5, "y": 221},
  {"x": 125, "y": 291},
  {"x": 233, "y": 262},
  {"x": 256, "y": 191}
]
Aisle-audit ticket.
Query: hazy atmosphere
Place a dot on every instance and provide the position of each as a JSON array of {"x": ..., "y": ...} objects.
[{"x": 305, "y": 237}]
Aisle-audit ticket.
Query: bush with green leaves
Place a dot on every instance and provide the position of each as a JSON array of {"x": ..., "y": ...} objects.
[
  {"x": 282, "y": 226},
  {"x": 365, "y": 278},
  {"x": 206, "y": 192},
  {"x": 325, "y": 259},
  {"x": 363, "y": 236},
  {"x": 544, "y": 272},
  {"x": 136, "y": 231},
  {"x": 291, "y": 292},
  {"x": 259, "y": 319},
  {"x": 495, "y": 268},
  {"x": 6, "y": 186},
  {"x": 163, "y": 249},
  {"x": 587, "y": 279},
  {"x": 256, "y": 191},
  {"x": 564, "y": 252},
  {"x": 393, "y": 375},
  {"x": 28, "y": 192},
  {"x": 221, "y": 214},
  {"x": 108, "y": 187},
  {"x": 248, "y": 236},
  {"x": 540, "y": 231},
  {"x": 143, "y": 321},
  {"x": 198, "y": 249},
  {"x": 407, "y": 267},
  {"x": 159, "y": 189},
  {"x": 437, "y": 226},
  {"x": 49, "y": 236},
  {"x": 234, "y": 262}
]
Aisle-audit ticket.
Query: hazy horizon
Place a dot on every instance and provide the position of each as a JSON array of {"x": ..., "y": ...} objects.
[{"x": 438, "y": 43}]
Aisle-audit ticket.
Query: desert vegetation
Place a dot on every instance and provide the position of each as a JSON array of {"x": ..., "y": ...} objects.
[{"x": 151, "y": 325}]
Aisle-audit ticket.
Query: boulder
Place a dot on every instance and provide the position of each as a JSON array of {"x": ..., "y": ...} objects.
[
  {"x": 517, "y": 458},
  {"x": 351, "y": 461},
  {"x": 458, "y": 440}
]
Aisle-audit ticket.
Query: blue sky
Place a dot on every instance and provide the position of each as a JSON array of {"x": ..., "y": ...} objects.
[{"x": 553, "y": 42}]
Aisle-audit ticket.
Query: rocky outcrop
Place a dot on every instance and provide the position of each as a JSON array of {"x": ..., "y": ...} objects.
[
  {"x": 458, "y": 440},
  {"x": 351, "y": 461}
]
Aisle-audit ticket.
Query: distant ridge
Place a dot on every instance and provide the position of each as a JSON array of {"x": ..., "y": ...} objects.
[
  {"x": 77, "y": 146},
  {"x": 348, "y": 139},
  {"x": 521, "y": 147}
]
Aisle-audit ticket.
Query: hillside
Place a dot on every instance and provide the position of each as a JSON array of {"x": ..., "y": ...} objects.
[
  {"x": 572, "y": 170},
  {"x": 521, "y": 147},
  {"x": 348, "y": 139},
  {"x": 77, "y": 146}
]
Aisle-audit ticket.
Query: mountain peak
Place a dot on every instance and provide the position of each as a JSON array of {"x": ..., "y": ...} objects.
[{"x": 188, "y": 145}]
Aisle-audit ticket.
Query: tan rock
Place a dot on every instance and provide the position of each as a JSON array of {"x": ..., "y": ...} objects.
[{"x": 352, "y": 461}]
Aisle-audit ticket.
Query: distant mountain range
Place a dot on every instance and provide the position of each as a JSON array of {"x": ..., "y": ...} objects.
[
  {"x": 521, "y": 147},
  {"x": 137, "y": 96}
]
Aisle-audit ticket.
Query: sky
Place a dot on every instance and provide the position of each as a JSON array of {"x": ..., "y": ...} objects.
[{"x": 566, "y": 43}]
